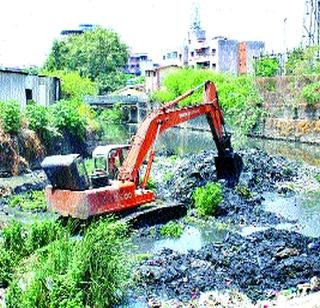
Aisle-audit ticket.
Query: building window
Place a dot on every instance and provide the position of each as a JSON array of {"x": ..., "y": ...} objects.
[
  {"x": 192, "y": 53},
  {"x": 214, "y": 66},
  {"x": 213, "y": 51},
  {"x": 28, "y": 95}
]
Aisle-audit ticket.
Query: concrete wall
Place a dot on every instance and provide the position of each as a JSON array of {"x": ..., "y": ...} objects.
[
  {"x": 228, "y": 56},
  {"x": 13, "y": 86},
  {"x": 286, "y": 115}
]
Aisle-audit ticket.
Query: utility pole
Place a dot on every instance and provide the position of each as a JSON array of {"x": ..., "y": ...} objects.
[{"x": 311, "y": 23}]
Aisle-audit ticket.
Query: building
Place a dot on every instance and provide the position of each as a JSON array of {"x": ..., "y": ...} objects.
[
  {"x": 18, "y": 85},
  {"x": 218, "y": 53},
  {"x": 138, "y": 63},
  {"x": 82, "y": 28},
  {"x": 155, "y": 76}
]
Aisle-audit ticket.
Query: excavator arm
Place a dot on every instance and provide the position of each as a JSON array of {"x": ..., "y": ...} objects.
[{"x": 229, "y": 164}]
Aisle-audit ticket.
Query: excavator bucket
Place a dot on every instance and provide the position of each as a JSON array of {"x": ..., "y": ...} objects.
[{"x": 229, "y": 168}]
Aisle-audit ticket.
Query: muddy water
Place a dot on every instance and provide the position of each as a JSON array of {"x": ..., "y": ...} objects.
[
  {"x": 192, "y": 238},
  {"x": 183, "y": 141}
]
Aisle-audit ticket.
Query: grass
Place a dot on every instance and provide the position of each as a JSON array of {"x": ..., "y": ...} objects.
[
  {"x": 61, "y": 271},
  {"x": 34, "y": 201},
  {"x": 172, "y": 229},
  {"x": 20, "y": 241}
]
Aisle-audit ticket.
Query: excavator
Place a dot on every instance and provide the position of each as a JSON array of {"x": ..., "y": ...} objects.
[{"x": 115, "y": 185}]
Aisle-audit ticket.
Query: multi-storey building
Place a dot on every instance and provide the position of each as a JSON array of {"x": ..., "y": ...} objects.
[{"x": 219, "y": 53}]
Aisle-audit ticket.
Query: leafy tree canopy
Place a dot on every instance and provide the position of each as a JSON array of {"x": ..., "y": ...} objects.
[{"x": 97, "y": 54}]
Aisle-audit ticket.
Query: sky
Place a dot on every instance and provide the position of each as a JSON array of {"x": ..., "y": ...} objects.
[{"x": 28, "y": 27}]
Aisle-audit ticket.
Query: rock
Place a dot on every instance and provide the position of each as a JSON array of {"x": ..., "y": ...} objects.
[{"x": 286, "y": 252}]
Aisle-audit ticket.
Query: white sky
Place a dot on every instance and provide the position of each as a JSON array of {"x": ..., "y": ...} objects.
[{"x": 28, "y": 27}]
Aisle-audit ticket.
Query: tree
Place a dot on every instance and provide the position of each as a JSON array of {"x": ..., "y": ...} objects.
[{"x": 94, "y": 54}]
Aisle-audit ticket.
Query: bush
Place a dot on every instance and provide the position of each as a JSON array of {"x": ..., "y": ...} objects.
[
  {"x": 113, "y": 115},
  {"x": 89, "y": 272},
  {"x": 10, "y": 116},
  {"x": 172, "y": 229},
  {"x": 266, "y": 67},
  {"x": 207, "y": 198},
  {"x": 311, "y": 93},
  {"x": 74, "y": 86},
  {"x": 66, "y": 117}
]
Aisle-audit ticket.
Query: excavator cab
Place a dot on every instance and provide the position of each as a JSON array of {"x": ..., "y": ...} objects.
[
  {"x": 66, "y": 172},
  {"x": 106, "y": 162}
]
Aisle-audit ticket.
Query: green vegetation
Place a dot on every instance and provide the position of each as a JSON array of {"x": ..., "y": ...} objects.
[
  {"x": 311, "y": 93},
  {"x": 97, "y": 54},
  {"x": 19, "y": 241},
  {"x": 294, "y": 58},
  {"x": 266, "y": 67},
  {"x": 34, "y": 201},
  {"x": 10, "y": 116},
  {"x": 238, "y": 95},
  {"x": 168, "y": 176},
  {"x": 74, "y": 86},
  {"x": 317, "y": 177},
  {"x": 113, "y": 115},
  {"x": 151, "y": 184},
  {"x": 172, "y": 229},
  {"x": 66, "y": 117},
  {"x": 243, "y": 191},
  {"x": 207, "y": 198},
  {"x": 54, "y": 270}
]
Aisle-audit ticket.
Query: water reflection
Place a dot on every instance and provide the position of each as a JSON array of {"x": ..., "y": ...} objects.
[
  {"x": 182, "y": 141},
  {"x": 303, "y": 208}
]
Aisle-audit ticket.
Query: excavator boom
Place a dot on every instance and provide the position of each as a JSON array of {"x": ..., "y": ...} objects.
[{"x": 228, "y": 164}]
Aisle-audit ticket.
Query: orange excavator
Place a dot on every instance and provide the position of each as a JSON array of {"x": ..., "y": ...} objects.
[{"x": 115, "y": 185}]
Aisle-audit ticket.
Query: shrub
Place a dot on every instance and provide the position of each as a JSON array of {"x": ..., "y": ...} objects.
[
  {"x": 10, "y": 116},
  {"x": 207, "y": 198},
  {"x": 66, "y": 117},
  {"x": 172, "y": 229},
  {"x": 113, "y": 115},
  {"x": 266, "y": 67},
  {"x": 311, "y": 93},
  {"x": 38, "y": 117},
  {"x": 74, "y": 86}
]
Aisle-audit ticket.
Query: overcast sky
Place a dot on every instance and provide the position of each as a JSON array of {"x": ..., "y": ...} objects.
[{"x": 28, "y": 27}]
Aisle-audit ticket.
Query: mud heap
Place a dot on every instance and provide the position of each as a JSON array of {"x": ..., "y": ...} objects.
[{"x": 258, "y": 265}]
